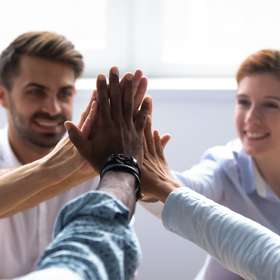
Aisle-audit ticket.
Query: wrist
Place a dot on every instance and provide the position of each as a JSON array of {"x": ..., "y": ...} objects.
[
  {"x": 127, "y": 164},
  {"x": 63, "y": 160},
  {"x": 165, "y": 191},
  {"x": 164, "y": 188},
  {"x": 121, "y": 186}
]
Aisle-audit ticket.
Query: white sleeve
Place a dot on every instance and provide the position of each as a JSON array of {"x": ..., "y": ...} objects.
[{"x": 240, "y": 244}]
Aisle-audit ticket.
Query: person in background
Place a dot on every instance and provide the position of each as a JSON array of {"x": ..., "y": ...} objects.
[
  {"x": 93, "y": 238},
  {"x": 244, "y": 174},
  {"x": 38, "y": 71},
  {"x": 241, "y": 245}
]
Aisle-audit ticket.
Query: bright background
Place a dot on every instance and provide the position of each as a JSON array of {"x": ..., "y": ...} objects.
[{"x": 189, "y": 49}]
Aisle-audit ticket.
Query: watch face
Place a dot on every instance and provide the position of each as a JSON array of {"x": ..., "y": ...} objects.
[
  {"x": 122, "y": 158},
  {"x": 125, "y": 163}
]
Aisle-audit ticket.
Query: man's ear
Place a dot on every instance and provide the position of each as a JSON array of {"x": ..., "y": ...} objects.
[{"x": 3, "y": 96}]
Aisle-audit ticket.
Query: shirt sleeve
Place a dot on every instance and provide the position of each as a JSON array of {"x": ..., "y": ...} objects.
[
  {"x": 93, "y": 238},
  {"x": 240, "y": 244},
  {"x": 207, "y": 177}
]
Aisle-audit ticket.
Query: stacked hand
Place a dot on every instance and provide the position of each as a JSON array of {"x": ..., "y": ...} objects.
[
  {"x": 157, "y": 181},
  {"x": 113, "y": 124}
]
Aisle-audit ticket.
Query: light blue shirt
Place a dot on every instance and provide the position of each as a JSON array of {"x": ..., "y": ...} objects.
[
  {"x": 240, "y": 244},
  {"x": 93, "y": 239},
  {"x": 227, "y": 175}
]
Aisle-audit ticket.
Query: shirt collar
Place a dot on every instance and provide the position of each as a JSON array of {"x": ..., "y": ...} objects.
[
  {"x": 246, "y": 171},
  {"x": 9, "y": 157},
  {"x": 262, "y": 187},
  {"x": 253, "y": 182}
]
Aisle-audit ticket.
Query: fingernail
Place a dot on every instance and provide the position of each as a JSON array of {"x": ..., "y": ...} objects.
[
  {"x": 101, "y": 77},
  {"x": 129, "y": 77},
  {"x": 67, "y": 126},
  {"x": 115, "y": 70}
]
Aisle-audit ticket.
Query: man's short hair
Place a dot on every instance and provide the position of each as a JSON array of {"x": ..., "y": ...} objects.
[
  {"x": 46, "y": 45},
  {"x": 261, "y": 62}
]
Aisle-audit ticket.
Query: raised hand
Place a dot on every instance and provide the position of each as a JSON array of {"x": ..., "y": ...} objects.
[
  {"x": 113, "y": 125},
  {"x": 157, "y": 181}
]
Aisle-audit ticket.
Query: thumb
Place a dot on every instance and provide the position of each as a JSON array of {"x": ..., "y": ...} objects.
[
  {"x": 164, "y": 140},
  {"x": 75, "y": 136}
]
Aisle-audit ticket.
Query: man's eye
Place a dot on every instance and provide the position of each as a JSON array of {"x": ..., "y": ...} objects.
[
  {"x": 65, "y": 94},
  {"x": 35, "y": 92}
]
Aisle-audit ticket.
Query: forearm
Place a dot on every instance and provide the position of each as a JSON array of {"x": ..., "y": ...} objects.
[
  {"x": 121, "y": 186},
  {"x": 240, "y": 244},
  {"x": 94, "y": 239},
  {"x": 30, "y": 184}
]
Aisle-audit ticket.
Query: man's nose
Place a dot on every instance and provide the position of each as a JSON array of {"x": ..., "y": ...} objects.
[{"x": 52, "y": 106}]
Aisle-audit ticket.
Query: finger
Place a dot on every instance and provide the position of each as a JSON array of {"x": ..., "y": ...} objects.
[
  {"x": 160, "y": 143},
  {"x": 128, "y": 100},
  {"x": 94, "y": 95},
  {"x": 142, "y": 114},
  {"x": 135, "y": 84},
  {"x": 158, "y": 146},
  {"x": 115, "y": 94},
  {"x": 140, "y": 93},
  {"x": 88, "y": 123},
  {"x": 164, "y": 140},
  {"x": 102, "y": 98},
  {"x": 149, "y": 136},
  {"x": 123, "y": 79},
  {"x": 148, "y": 103},
  {"x": 76, "y": 137},
  {"x": 145, "y": 146},
  {"x": 85, "y": 113}
]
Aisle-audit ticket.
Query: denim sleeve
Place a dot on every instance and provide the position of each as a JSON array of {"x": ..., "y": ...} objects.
[
  {"x": 241, "y": 245},
  {"x": 93, "y": 238}
]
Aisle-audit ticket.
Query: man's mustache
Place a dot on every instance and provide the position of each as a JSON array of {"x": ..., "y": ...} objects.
[{"x": 42, "y": 115}]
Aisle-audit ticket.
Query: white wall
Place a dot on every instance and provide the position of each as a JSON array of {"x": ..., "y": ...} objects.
[{"x": 197, "y": 120}]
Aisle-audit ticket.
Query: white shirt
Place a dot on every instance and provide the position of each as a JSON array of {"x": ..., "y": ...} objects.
[{"x": 24, "y": 236}]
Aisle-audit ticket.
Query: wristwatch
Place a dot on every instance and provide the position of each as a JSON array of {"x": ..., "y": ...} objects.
[{"x": 124, "y": 163}]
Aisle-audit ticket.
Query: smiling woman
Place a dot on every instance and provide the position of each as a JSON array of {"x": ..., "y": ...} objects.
[
  {"x": 244, "y": 174},
  {"x": 258, "y": 115}
]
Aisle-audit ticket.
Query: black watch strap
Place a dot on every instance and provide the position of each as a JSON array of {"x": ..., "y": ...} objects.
[{"x": 124, "y": 163}]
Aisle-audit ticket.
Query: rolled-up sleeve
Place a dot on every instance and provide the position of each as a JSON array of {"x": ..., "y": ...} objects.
[{"x": 93, "y": 238}]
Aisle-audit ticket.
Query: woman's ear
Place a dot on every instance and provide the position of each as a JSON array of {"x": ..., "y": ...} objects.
[{"x": 3, "y": 96}]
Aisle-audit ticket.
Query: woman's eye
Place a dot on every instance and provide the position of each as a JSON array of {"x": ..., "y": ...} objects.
[
  {"x": 243, "y": 102},
  {"x": 271, "y": 105}
]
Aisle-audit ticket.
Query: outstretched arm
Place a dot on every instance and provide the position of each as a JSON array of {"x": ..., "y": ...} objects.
[
  {"x": 62, "y": 169},
  {"x": 30, "y": 184},
  {"x": 240, "y": 244}
]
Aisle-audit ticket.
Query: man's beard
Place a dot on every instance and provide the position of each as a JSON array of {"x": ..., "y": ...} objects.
[{"x": 42, "y": 140}]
